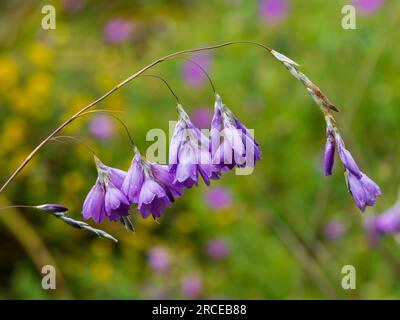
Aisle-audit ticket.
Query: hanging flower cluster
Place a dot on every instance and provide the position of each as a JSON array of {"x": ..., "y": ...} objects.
[
  {"x": 194, "y": 155},
  {"x": 361, "y": 187},
  {"x": 152, "y": 187}
]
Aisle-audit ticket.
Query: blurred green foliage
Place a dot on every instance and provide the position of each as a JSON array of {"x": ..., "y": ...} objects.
[{"x": 274, "y": 223}]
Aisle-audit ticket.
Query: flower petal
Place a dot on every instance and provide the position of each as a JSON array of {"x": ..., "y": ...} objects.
[
  {"x": 357, "y": 190},
  {"x": 93, "y": 207},
  {"x": 329, "y": 155},
  {"x": 133, "y": 180},
  {"x": 346, "y": 157}
]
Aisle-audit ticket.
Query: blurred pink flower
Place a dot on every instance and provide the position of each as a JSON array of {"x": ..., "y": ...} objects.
[
  {"x": 334, "y": 230},
  {"x": 201, "y": 117},
  {"x": 368, "y": 7},
  {"x": 192, "y": 286},
  {"x": 158, "y": 259},
  {"x": 101, "y": 127},
  {"x": 72, "y": 5},
  {"x": 117, "y": 30},
  {"x": 192, "y": 74},
  {"x": 218, "y": 198},
  {"x": 273, "y": 11},
  {"x": 217, "y": 249}
]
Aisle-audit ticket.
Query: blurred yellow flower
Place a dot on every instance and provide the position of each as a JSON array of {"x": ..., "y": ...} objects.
[
  {"x": 40, "y": 54},
  {"x": 184, "y": 222},
  {"x": 101, "y": 249},
  {"x": 226, "y": 217},
  {"x": 141, "y": 240},
  {"x": 14, "y": 132},
  {"x": 9, "y": 72},
  {"x": 148, "y": 223},
  {"x": 18, "y": 100},
  {"x": 116, "y": 102},
  {"x": 38, "y": 84},
  {"x": 72, "y": 182},
  {"x": 79, "y": 101},
  {"x": 102, "y": 271},
  {"x": 29, "y": 100}
]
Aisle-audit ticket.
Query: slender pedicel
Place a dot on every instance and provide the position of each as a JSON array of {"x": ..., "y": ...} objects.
[
  {"x": 74, "y": 139},
  {"x": 110, "y": 114},
  {"x": 165, "y": 82},
  {"x": 202, "y": 70}
]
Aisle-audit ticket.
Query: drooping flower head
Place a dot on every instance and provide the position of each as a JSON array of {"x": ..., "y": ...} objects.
[
  {"x": 189, "y": 154},
  {"x": 150, "y": 185},
  {"x": 238, "y": 147},
  {"x": 361, "y": 187},
  {"x": 105, "y": 199}
]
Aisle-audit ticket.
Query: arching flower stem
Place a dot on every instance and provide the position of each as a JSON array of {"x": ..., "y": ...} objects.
[{"x": 290, "y": 64}]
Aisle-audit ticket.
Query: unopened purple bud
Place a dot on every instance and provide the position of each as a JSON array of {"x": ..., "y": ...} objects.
[
  {"x": 346, "y": 157},
  {"x": 329, "y": 156},
  {"x": 52, "y": 208}
]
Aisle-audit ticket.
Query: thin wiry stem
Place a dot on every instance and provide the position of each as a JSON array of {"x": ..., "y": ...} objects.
[
  {"x": 202, "y": 70},
  {"x": 163, "y": 80},
  {"x": 79, "y": 141},
  {"x": 109, "y": 113}
]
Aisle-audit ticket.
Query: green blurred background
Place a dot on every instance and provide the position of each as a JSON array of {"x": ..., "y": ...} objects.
[{"x": 284, "y": 232}]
